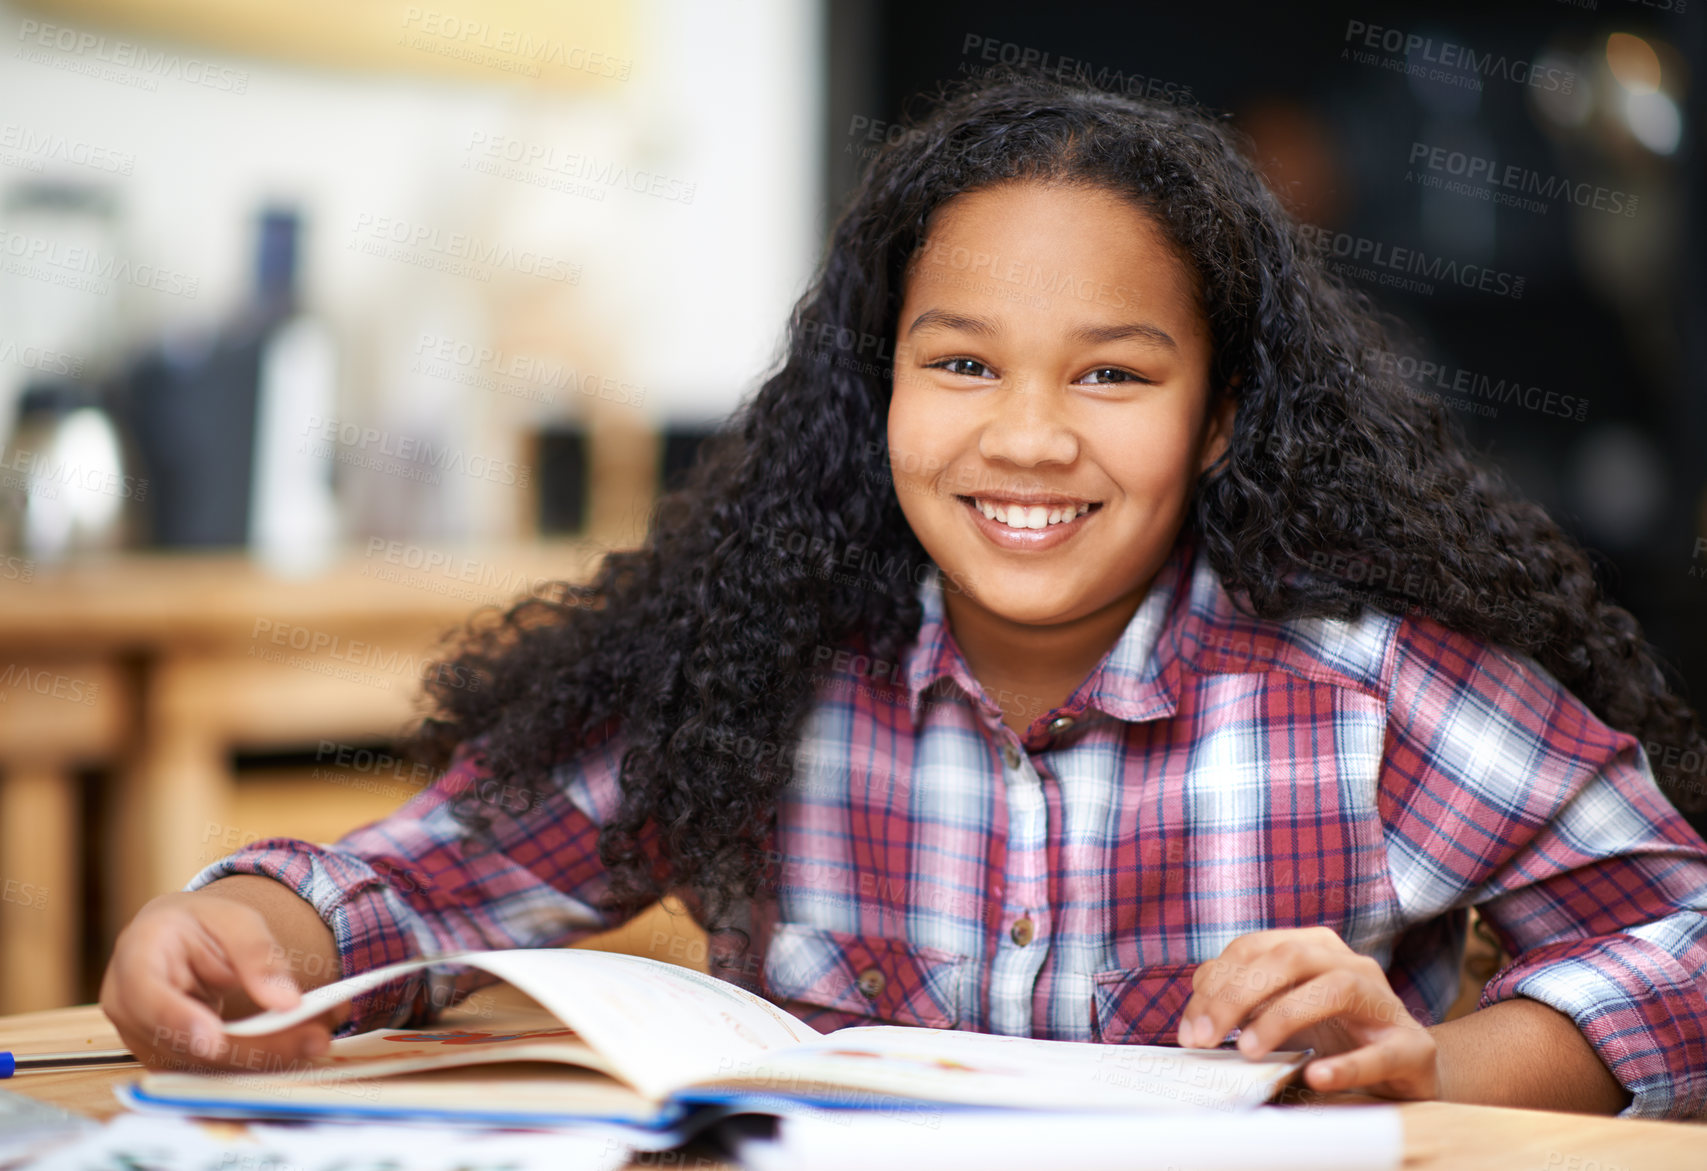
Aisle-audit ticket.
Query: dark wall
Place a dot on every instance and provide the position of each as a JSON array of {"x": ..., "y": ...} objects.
[{"x": 1612, "y": 313}]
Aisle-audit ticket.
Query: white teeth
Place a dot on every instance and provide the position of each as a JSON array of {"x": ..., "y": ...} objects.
[{"x": 1036, "y": 516}]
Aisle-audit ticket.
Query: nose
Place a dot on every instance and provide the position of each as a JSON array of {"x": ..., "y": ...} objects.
[{"x": 1027, "y": 427}]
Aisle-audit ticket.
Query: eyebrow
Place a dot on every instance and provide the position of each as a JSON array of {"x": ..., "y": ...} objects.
[
  {"x": 943, "y": 319},
  {"x": 1132, "y": 330}
]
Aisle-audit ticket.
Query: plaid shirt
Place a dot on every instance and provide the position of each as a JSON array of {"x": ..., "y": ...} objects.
[{"x": 1216, "y": 774}]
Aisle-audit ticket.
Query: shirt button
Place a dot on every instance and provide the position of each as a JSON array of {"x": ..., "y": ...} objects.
[
  {"x": 871, "y": 983},
  {"x": 1023, "y": 930},
  {"x": 1060, "y": 723},
  {"x": 1010, "y": 755}
]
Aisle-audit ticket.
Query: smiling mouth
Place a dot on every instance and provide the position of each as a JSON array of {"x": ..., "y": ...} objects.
[{"x": 1019, "y": 515}]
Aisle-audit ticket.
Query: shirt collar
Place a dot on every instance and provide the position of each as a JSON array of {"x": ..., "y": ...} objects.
[{"x": 1136, "y": 679}]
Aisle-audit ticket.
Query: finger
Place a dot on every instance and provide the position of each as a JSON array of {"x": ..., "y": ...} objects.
[
  {"x": 216, "y": 931},
  {"x": 1341, "y": 995},
  {"x": 187, "y": 1034},
  {"x": 185, "y": 990},
  {"x": 260, "y": 966},
  {"x": 232, "y": 952},
  {"x": 1400, "y": 1063},
  {"x": 168, "y": 974},
  {"x": 152, "y": 995},
  {"x": 171, "y": 1029},
  {"x": 1227, "y": 989}
]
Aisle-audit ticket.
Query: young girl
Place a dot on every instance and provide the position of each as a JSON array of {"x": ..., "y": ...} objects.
[{"x": 1073, "y": 639}]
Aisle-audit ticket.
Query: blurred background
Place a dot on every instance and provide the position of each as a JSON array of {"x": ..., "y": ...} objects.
[{"x": 322, "y": 326}]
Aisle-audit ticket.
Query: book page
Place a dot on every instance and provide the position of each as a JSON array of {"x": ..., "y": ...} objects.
[
  {"x": 360, "y": 1077},
  {"x": 656, "y": 1025},
  {"x": 519, "y": 1033},
  {"x": 863, "y": 1067}
]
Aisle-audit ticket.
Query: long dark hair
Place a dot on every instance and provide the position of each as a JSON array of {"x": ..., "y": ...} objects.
[{"x": 1338, "y": 491}]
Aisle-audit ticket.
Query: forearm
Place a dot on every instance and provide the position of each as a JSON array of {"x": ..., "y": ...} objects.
[{"x": 1520, "y": 1052}]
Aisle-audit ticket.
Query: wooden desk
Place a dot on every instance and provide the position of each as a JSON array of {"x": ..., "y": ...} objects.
[
  {"x": 162, "y": 666},
  {"x": 1438, "y": 1135}
]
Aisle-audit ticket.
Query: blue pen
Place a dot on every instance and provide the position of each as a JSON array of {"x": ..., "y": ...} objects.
[{"x": 11, "y": 1064}]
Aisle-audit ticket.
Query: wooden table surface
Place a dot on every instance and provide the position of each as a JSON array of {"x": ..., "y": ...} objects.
[
  {"x": 140, "y": 600},
  {"x": 1438, "y": 1135}
]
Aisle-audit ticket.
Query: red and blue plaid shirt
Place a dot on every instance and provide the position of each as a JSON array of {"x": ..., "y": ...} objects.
[{"x": 1216, "y": 774}]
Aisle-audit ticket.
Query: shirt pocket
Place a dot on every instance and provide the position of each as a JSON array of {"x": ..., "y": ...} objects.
[
  {"x": 1141, "y": 1006},
  {"x": 867, "y": 976}
]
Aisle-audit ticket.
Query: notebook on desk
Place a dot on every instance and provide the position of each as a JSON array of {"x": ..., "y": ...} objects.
[{"x": 660, "y": 1050}]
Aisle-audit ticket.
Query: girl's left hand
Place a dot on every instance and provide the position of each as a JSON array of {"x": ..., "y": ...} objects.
[{"x": 1298, "y": 988}]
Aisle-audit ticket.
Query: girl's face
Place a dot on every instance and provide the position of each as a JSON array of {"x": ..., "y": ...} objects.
[{"x": 1052, "y": 405}]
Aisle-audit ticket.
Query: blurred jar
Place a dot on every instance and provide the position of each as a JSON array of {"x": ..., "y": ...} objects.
[
  {"x": 65, "y": 476},
  {"x": 65, "y": 484}
]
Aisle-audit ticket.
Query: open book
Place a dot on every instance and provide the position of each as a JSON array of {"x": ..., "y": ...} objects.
[{"x": 658, "y": 1048}]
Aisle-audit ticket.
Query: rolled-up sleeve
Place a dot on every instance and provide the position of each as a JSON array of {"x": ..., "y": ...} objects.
[
  {"x": 1502, "y": 791},
  {"x": 1637, "y": 997},
  {"x": 419, "y": 883}
]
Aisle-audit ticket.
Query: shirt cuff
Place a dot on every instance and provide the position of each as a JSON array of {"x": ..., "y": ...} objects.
[
  {"x": 1636, "y": 1003},
  {"x": 370, "y": 924}
]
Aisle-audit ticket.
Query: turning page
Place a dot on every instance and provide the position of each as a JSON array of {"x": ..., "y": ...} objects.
[{"x": 655, "y": 1025}]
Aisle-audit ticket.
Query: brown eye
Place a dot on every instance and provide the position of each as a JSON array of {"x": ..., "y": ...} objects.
[
  {"x": 1103, "y": 375},
  {"x": 970, "y": 367}
]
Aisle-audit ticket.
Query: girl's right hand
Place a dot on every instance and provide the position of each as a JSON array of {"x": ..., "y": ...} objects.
[{"x": 189, "y": 960}]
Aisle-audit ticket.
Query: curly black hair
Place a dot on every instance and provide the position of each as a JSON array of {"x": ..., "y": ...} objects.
[{"x": 1338, "y": 491}]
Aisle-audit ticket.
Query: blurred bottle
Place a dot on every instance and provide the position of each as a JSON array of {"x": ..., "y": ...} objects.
[
  {"x": 229, "y": 426},
  {"x": 65, "y": 482},
  {"x": 293, "y": 515}
]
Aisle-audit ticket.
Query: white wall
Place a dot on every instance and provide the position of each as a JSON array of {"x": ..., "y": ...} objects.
[{"x": 685, "y": 299}]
